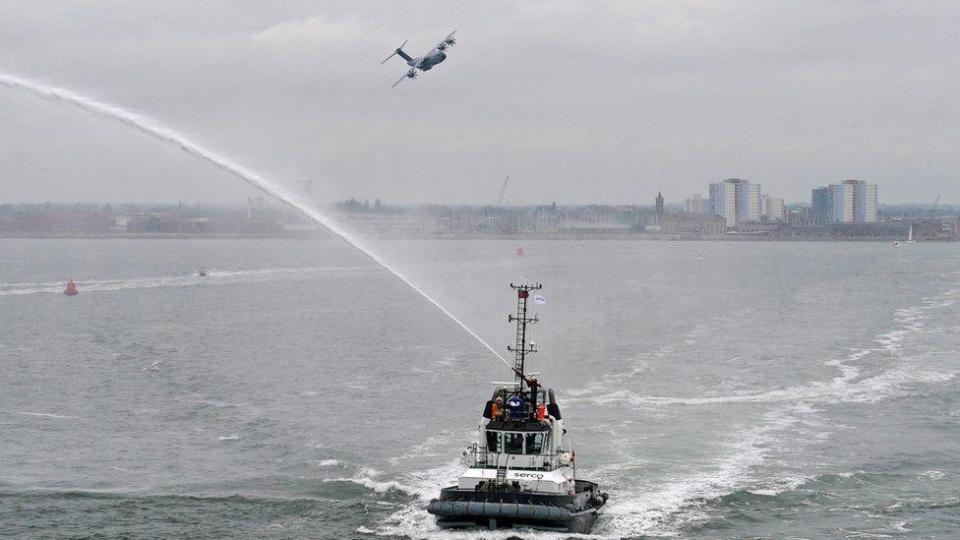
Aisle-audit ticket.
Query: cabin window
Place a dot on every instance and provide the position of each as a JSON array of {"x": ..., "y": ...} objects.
[
  {"x": 534, "y": 443},
  {"x": 513, "y": 443},
  {"x": 493, "y": 441}
]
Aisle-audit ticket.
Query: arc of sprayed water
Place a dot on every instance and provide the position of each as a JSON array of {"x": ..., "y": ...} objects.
[{"x": 158, "y": 131}]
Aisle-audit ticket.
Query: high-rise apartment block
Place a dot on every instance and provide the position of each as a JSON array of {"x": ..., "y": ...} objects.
[
  {"x": 749, "y": 202},
  {"x": 723, "y": 202},
  {"x": 696, "y": 205},
  {"x": 821, "y": 205},
  {"x": 737, "y": 200},
  {"x": 853, "y": 201},
  {"x": 773, "y": 208}
]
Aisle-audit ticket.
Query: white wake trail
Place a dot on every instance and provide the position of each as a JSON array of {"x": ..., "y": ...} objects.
[{"x": 160, "y": 132}]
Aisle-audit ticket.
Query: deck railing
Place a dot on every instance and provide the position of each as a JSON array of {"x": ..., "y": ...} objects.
[{"x": 476, "y": 456}]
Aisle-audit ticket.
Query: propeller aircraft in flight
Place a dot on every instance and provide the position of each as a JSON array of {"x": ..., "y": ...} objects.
[{"x": 423, "y": 63}]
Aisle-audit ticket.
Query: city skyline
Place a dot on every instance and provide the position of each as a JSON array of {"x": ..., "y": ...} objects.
[
  {"x": 671, "y": 199},
  {"x": 741, "y": 201},
  {"x": 261, "y": 218}
]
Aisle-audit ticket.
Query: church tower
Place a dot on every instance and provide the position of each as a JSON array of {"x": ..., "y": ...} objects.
[{"x": 659, "y": 209}]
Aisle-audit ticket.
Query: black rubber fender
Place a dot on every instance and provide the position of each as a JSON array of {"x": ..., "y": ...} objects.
[
  {"x": 499, "y": 510},
  {"x": 554, "y": 410}
]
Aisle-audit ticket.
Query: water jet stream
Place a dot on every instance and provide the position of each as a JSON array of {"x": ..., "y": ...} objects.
[{"x": 158, "y": 131}]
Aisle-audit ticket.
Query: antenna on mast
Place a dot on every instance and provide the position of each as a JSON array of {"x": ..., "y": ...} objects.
[{"x": 521, "y": 348}]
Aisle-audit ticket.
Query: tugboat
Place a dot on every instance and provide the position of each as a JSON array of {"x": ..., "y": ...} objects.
[
  {"x": 521, "y": 473},
  {"x": 202, "y": 272},
  {"x": 71, "y": 289}
]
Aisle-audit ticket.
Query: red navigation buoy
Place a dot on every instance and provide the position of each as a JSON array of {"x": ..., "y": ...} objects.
[
  {"x": 71, "y": 289},
  {"x": 520, "y": 251}
]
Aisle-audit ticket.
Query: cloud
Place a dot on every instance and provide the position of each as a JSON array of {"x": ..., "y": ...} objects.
[{"x": 323, "y": 31}]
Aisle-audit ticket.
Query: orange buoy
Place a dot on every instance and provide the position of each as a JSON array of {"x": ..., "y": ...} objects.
[{"x": 71, "y": 289}]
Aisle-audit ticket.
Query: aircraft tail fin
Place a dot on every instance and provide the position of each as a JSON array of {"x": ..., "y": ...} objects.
[{"x": 399, "y": 51}]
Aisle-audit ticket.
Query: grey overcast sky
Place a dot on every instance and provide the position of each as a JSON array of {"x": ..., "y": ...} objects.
[{"x": 579, "y": 101}]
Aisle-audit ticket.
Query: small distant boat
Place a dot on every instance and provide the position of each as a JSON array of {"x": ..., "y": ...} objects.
[
  {"x": 520, "y": 251},
  {"x": 896, "y": 243},
  {"x": 202, "y": 272},
  {"x": 71, "y": 289}
]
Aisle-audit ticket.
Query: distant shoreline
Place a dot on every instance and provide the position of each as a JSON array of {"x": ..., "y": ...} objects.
[{"x": 566, "y": 236}]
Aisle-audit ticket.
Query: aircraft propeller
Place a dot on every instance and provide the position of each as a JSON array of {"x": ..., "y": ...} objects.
[
  {"x": 448, "y": 41},
  {"x": 411, "y": 74}
]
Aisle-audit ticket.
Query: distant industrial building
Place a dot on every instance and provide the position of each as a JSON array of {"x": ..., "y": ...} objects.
[
  {"x": 854, "y": 201},
  {"x": 694, "y": 224},
  {"x": 737, "y": 200}
]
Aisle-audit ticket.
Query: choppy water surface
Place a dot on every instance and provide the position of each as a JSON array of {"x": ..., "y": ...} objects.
[{"x": 299, "y": 391}]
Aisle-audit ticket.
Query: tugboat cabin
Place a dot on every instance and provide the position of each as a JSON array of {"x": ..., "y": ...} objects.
[{"x": 521, "y": 444}]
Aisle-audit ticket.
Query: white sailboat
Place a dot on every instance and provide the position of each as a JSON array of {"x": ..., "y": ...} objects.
[{"x": 910, "y": 239}]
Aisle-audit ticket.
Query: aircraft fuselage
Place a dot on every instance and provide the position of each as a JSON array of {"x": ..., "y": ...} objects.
[{"x": 430, "y": 60}]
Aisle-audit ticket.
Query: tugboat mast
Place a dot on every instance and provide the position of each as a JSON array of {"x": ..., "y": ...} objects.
[{"x": 521, "y": 349}]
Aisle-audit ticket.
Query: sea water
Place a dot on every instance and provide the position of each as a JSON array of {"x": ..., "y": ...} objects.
[{"x": 719, "y": 389}]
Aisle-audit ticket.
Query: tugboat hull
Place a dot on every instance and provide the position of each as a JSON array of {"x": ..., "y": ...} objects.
[{"x": 504, "y": 510}]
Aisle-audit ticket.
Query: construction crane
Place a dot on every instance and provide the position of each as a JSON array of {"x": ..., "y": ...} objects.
[{"x": 503, "y": 190}]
